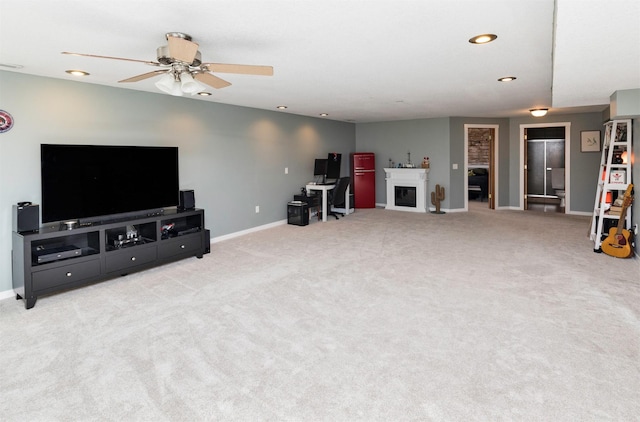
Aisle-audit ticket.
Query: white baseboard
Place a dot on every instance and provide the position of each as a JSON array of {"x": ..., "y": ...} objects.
[
  {"x": 7, "y": 294},
  {"x": 586, "y": 214},
  {"x": 247, "y": 231}
]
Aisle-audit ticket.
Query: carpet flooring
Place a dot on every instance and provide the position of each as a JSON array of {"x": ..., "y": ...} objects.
[{"x": 379, "y": 316}]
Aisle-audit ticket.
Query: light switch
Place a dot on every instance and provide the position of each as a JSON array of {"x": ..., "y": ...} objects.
[{"x": 455, "y": 166}]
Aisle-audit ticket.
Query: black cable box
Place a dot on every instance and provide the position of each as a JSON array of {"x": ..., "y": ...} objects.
[
  {"x": 189, "y": 231},
  {"x": 53, "y": 254}
]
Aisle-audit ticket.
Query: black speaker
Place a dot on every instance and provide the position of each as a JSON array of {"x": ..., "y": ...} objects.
[
  {"x": 26, "y": 217},
  {"x": 187, "y": 200},
  {"x": 207, "y": 241}
]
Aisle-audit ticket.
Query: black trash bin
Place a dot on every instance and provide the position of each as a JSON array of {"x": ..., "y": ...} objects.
[{"x": 298, "y": 213}]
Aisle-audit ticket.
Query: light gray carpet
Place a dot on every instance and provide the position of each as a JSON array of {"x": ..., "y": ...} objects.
[{"x": 379, "y": 316}]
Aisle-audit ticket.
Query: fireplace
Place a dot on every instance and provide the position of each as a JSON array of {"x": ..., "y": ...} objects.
[
  {"x": 405, "y": 196},
  {"x": 407, "y": 189}
]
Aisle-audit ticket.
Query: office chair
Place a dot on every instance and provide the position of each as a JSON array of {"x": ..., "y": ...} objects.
[{"x": 336, "y": 196}]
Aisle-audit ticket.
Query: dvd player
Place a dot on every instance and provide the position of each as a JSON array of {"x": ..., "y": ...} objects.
[{"x": 53, "y": 254}]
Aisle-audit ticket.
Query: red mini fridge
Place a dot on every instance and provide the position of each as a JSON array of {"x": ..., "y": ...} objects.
[{"x": 363, "y": 179}]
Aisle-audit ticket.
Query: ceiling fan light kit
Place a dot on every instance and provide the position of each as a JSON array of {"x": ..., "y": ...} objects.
[
  {"x": 188, "y": 84},
  {"x": 186, "y": 73},
  {"x": 169, "y": 85}
]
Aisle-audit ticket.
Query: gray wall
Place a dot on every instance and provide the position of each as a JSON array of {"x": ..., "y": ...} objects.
[
  {"x": 233, "y": 157},
  {"x": 393, "y": 140},
  {"x": 626, "y": 104},
  {"x": 443, "y": 141},
  {"x": 584, "y": 169},
  {"x": 457, "y": 154},
  {"x": 635, "y": 216}
]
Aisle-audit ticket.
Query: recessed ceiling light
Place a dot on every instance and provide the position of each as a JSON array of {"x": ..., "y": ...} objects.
[
  {"x": 324, "y": 114},
  {"x": 77, "y": 72},
  {"x": 507, "y": 79},
  {"x": 204, "y": 94},
  {"x": 483, "y": 39},
  {"x": 538, "y": 112},
  {"x": 281, "y": 107}
]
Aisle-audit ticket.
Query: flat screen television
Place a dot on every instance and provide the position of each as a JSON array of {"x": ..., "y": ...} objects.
[{"x": 91, "y": 182}]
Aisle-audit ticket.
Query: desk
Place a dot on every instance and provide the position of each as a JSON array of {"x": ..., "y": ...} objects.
[{"x": 324, "y": 189}]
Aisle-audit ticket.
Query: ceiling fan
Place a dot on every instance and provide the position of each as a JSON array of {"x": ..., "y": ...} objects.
[{"x": 182, "y": 67}]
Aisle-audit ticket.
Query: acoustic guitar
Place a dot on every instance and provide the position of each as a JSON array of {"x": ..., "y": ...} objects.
[{"x": 617, "y": 243}]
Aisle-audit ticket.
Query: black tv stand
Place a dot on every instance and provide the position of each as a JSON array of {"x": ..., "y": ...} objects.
[{"x": 56, "y": 258}]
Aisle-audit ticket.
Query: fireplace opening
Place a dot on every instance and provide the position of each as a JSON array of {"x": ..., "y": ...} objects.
[{"x": 405, "y": 196}]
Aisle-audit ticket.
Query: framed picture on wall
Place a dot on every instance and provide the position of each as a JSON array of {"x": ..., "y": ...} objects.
[{"x": 590, "y": 141}]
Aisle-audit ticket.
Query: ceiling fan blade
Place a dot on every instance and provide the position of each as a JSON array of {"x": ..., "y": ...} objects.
[
  {"x": 245, "y": 69},
  {"x": 182, "y": 50},
  {"x": 144, "y": 76},
  {"x": 213, "y": 81},
  {"x": 112, "y": 58}
]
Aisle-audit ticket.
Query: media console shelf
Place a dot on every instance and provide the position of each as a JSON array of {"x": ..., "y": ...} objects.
[{"x": 55, "y": 259}]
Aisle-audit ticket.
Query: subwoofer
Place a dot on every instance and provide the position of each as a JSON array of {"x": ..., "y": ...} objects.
[
  {"x": 187, "y": 200},
  {"x": 26, "y": 217}
]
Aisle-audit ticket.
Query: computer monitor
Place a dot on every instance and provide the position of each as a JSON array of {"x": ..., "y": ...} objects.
[
  {"x": 334, "y": 160},
  {"x": 320, "y": 168}
]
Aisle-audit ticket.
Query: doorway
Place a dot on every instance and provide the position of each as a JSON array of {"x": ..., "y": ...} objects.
[
  {"x": 544, "y": 167},
  {"x": 480, "y": 169}
]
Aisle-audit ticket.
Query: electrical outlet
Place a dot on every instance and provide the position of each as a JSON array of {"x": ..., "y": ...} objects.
[
  {"x": 257, "y": 209},
  {"x": 286, "y": 170}
]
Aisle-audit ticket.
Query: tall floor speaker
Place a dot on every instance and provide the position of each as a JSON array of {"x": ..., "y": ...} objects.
[{"x": 26, "y": 217}]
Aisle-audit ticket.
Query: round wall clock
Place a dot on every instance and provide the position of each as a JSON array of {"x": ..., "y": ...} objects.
[{"x": 6, "y": 121}]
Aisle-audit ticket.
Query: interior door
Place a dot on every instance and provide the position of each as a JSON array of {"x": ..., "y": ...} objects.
[{"x": 482, "y": 152}]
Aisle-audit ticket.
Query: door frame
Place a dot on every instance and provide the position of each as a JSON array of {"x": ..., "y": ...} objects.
[
  {"x": 493, "y": 167},
  {"x": 567, "y": 161}
]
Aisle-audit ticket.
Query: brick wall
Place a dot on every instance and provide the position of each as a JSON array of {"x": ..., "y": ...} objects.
[{"x": 479, "y": 144}]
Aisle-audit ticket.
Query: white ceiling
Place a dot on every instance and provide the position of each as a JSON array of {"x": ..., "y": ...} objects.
[{"x": 357, "y": 60}]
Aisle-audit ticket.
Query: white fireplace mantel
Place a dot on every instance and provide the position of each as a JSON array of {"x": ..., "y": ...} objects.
[{"x": 407, "y": 177}]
